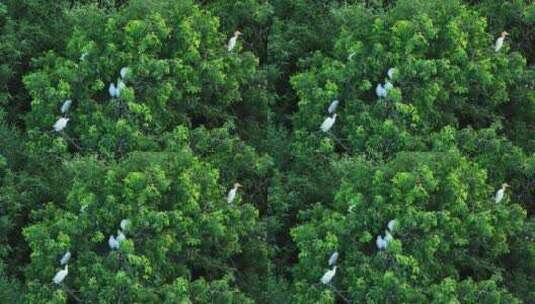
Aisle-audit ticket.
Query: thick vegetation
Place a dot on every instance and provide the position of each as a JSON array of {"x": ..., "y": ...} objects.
[{"x": 193, "y": 118}]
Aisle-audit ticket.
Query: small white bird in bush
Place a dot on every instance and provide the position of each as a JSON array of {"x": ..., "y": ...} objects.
[
  {"x": 61, "y": 124},
  {"x": 113, "y": 243},
  {"x": 380, "y": 91},
  {"x": 381, "y": 243},
  {"x": 333, "y": 106},
  {"x": 113, "y": 90},
  {"x": 66, "y": 106},
  {"x": 391, "y": 72},
  {"x": 124, "y": 71},
  {"x": 333, "y": 258},
  {"x": 60, "y": 275},
  {"x": 328, "y": 276},
  {"x": 124, "y": 224},
  {"x": 232, "y": 41},
  {"x": 328, "y": 123},
  {"x": 232, "y": 193},
  {"x": 500, "y": 194},
  {"x": 392, "y": 225},
  {"x": 500, "y": 40},
  {"x": 65, "y": 258}
]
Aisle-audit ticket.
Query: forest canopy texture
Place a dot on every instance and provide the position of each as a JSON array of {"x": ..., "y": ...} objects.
[{"x": 267, "y": 151}]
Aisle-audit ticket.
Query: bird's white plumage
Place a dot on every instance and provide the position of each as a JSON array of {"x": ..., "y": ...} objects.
[
  {"x": 232, "y": 195},
  {"x": 61, "y": 124},
  {"x": 333, "y": 258},
  {"x": 113, "y": 90},
  {"x": 60, "y": 275},
  {"x": 392, "y": 225},
  {"x": 333, "y": 106},
  {"x": 499, "y": 195},
  {"x": 125, "y": 223},
  {"x": 65, "y": 258},
  {"x": 328, "y": 123},
  {"x": 380, "y": 91},
  {"x": 499, "y": 44},
  {"x": 380, "y": 242},
  {"x": 328, "y": 276},
  {"x": 232, "y": 41},
  {"x": 66, "y": 105},
  {"x": 120, "y": 87},
  {"x": 113, "y": 243},
  {"x": 391, "y": 72},
  {"x": 124, "y": 71}
]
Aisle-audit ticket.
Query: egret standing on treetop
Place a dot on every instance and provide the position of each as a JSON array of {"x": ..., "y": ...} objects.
[
  {"x": 391, "y": 72},
  {"x": 333, "y": 258},
  {"x": 113, "y": 90},
  {"x": 60, "y": 275},
  {"x": 333, "y": 106},
  {"x": 124, "y": 224},
  {"x": 328, "y": 276},
  {"x": 232, "y": 193},
  {"x": 124, "y": 71},
  {"x": 232, "y": 41},
  {"x": 66, "y": 106},
  {"x": 328, "y": 123},
  {"x": 65, "y": 258},
  {"x": 113, "y": 243},
  {"x": 500, "y": 193},
  {"x": 381, "y": 243},
  {"x": 61, "y": 124},
  {"x": 392, "y": 225},
  {"x": 380, "y": 91},
  {"x": 499, "y": 41}
]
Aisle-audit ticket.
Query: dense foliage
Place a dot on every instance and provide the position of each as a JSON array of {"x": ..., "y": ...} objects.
[{"x": 193, "y": 118}]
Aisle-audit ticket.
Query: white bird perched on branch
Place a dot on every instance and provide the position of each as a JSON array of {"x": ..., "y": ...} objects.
[
  {"x": 124, "y": 224},
  {"x": 66, "y": 106},
  {"x": 500, "y": 193},
  {"x": 60, "y": 275},
  {"x": 380, "y": 91},
  {"x": 333, "y": 106},
  {"x": 333, "y": 258},
  {"x": 391, "y": 72},
  {"x": 124, "y": 71},
  {"x": 232, "y": 41},
  {"x": 113, "y": 90},
  {"x": 328, "y": 123},
  {"x": 381, "y": 243},
  {"x": 232, "y": 193},
  {"x": 392, "y": 225},
  {"x": 113, "y": 243},
  {"x": 499, "y": 41},
  {"x": 61, "y": 124},
  {"x": 328, "y": 276},
  {"x": 65, "y": 258}
]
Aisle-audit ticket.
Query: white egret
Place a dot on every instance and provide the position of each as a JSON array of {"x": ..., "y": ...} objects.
[
  {"x": 60, "y": 275},
  {"x": 328, "y": 123},
  {"x": 113, "y": 243},
  {"x": 120, "y": 236},
  {"x": 113, "y": 90},
  {"x": 66, "y": 106},
  {"x": 391, "y": 72},
  {"x": 232, "y": 41},
  {"x": 333, "y": 258},
  {"x": 124, "y": 224},
  {"x": 392, "y": 225},
  {"x": 124, "y": 71},
  {"x": 333, "y": 106},
  {"x": 61, "y": 124},
  {"x": 500, "y": 193},
  {"x": 232, "y": 193},
  {"x": 65, "y": 258},
  {"x": 328, "y": 276},
  {"x": 499, "y": 41},
  {"x": 388, "y": 86},
  {"x": 381, "y": 243},
  {"x": 380, "y": 91}
]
